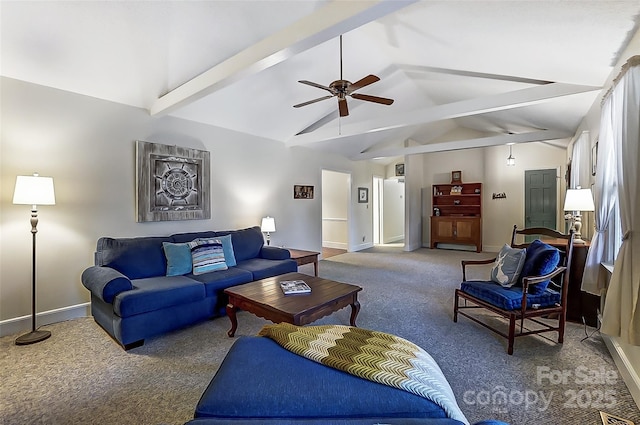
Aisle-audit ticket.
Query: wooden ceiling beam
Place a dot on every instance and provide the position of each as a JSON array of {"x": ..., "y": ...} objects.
[
  {"x": 336, "y": 18},
  {"x": 534, "y": 136},
  {"x": 463, "y": 108}
]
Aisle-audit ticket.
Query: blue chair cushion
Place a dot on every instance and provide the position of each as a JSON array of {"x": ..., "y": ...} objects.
[
  {"x": 540, "y": 260},
  {"x": 508, "y": 298},
  {"x": 258, "y": 379}
]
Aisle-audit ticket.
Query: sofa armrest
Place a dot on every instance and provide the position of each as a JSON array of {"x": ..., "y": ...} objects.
[
  {"x": 274, "y": 253},
  {"x": 105, "y": 282}
]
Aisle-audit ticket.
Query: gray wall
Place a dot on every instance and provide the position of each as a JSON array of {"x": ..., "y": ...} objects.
[{"x": 88, "y": 146}]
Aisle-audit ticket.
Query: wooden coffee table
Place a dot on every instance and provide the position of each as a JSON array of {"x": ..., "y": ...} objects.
[{"x": 264, "y": 298}]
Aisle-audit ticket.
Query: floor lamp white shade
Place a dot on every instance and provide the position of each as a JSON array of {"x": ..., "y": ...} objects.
[
  {"x": 33, "y": 190},
  {"x": 268, "y": 225}
]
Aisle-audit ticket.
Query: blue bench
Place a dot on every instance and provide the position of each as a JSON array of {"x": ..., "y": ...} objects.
[{"x": 261, "y": 382}]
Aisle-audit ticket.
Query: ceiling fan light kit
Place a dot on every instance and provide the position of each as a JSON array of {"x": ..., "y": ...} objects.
[{"x": 342, "y": 88}]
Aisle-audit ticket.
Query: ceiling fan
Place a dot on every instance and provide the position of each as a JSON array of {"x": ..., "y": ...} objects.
[{"x": 343, "y": 88}]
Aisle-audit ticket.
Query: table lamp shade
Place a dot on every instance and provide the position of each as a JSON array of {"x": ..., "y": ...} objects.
[
  {"x": 34, "y": 190},
  {"x": 579, "y": 200},
  {"x": 268, "y": 224}
]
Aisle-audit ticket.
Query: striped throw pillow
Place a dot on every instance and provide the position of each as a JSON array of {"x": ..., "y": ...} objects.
[{"x": 207, "y": 256}]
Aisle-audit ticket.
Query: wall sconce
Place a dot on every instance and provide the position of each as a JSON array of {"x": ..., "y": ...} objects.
[
  {"x": 511, "y": 160},
  {"x": 268, "y": 225},
  {"x": 578, "y": 200}
]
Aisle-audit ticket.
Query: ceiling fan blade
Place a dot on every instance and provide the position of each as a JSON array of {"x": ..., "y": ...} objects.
[
  {"x": 376, "y": 99},
  {"x": 312, "y": 101},
  {"x": 320, "y": 86},
  {"x": 342, "y": 106},
  {"x": 369, "y": 79}
]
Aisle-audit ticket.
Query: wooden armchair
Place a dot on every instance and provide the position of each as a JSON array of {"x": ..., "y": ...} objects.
[{"x": 539, "y": 291}]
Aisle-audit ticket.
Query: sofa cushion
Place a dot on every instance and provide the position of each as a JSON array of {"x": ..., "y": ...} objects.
[
  {"x": 261, "y": 268},
  {"x": 541, "y": 259},
  {"x": 179, "y": 260},
  {"x": 207, "y": 256},
  {"x": 105, "y": 282},
  {"x": 224, "y": 236},
  {"x": 192, "y": 236},
  {"x": 311, "y": 390},
  {"x": 227, "y": 248},
  {"x": 156, "y": 293},
  {"x": 246, "y": 242},
  {"x": 215, "y": 282},
  {"x": 508, "y": 265},
  {"x": 508, "y": 298},
  {"x": 136, "y": 258}
]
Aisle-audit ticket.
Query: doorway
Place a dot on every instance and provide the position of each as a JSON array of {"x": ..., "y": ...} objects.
[
  {"x": 335, "y": 212},
  {"x": 388, "y": 211}
]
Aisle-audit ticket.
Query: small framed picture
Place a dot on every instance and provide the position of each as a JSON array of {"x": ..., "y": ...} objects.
[
  {"x": 302, "y": 192},
  {"x": 363, "y": 195},
  {"x": 456, "y": 177},
  {"x": 399, "y": 169}
]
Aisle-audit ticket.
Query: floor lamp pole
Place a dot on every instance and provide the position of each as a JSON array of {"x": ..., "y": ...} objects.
[{"x": 35, "y": 335}]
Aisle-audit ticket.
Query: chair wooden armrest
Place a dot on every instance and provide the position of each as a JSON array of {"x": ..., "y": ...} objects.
[
  {"x": 466, "y": 263},
  {"x": 532, "y": 280}
]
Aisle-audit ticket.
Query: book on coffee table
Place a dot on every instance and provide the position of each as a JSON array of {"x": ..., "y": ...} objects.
[{"x": 294, "y": 287}]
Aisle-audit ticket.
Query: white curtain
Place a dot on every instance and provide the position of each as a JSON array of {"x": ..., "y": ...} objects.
[
  {"x": 621, "y": 316},
  {"x": 580, "y": 161},
  {"x": 605, "y": 197}
]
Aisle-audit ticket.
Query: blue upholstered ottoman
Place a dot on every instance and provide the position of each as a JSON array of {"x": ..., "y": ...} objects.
[{"x": 261, "y": 382}]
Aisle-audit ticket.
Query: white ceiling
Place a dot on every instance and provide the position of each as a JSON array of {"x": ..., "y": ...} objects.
[{"x": 462, "y": 73}]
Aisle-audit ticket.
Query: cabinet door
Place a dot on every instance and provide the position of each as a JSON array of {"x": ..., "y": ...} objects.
[
  {"x": 464, "y": 229},
  {"x": 444, "y": 229}
]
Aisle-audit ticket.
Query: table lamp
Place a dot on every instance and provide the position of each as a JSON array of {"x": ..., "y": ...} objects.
[
  {"x": 578, "y": 200},
  {"x": 268, "y": 226},
  {"x": 33, "y": 190}
]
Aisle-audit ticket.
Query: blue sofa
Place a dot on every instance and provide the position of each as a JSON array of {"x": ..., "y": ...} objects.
[
  {"x": 259, "y": 382},
  {"x": 133, "y": 297}
]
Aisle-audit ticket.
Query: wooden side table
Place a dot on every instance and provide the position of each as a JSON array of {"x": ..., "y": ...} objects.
[{"x": 305, "y": 257}]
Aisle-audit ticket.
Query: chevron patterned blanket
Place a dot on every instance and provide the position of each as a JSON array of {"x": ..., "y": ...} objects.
[{"x": 372, "y": 355}]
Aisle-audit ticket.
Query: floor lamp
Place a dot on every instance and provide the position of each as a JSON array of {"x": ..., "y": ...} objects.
[{"x": 33, "y": 190}]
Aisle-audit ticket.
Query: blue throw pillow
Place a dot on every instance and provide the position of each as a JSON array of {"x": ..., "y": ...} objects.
[
  {"x": 227, "y": 248},
  {"x": 508, "y": 265},
  {"x": 178, "y": 258},
  {"x": 540, "y": 260},
  {"x": 207, "y": 256}
]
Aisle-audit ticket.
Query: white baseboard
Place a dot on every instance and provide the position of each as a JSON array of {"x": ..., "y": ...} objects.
[
  {"x": 625, "y": 367},
  {"x": 334, "y": 245},
  {"x": 22, "y": 324},
  {"x": 394, "y": 239},
  {"x": 362, "y": 246}
]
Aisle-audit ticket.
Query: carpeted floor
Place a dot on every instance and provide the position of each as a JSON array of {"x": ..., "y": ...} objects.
[{"x": 80, "y": 376}]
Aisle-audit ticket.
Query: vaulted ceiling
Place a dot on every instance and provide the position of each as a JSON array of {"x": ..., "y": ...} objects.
[{"x": 462, "y": 73}]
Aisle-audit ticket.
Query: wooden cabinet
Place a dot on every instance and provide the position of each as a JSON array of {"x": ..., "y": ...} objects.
[
  {"x": 580, "y": 304},
  {"x": 457, "y": 214}
]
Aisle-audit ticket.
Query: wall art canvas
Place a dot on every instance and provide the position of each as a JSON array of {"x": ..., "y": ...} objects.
[{"x": 172, "y": 183}]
